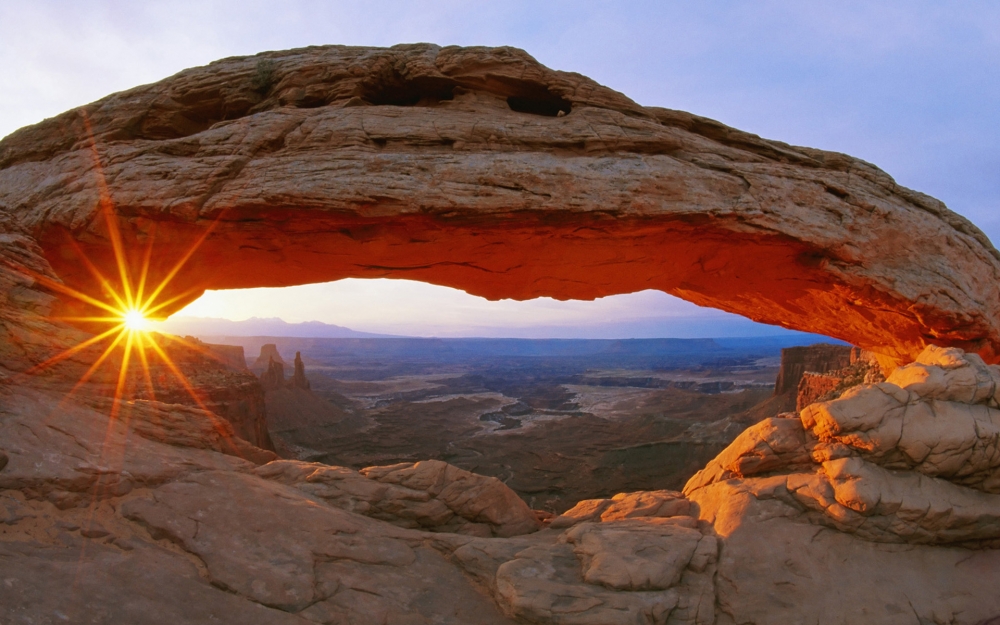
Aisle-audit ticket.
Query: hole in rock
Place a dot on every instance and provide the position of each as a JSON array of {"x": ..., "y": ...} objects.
[
  {"x": 547, "y": 104},
  {"x": 560, "y": 400},
  {"x": 394, "y": 90}
]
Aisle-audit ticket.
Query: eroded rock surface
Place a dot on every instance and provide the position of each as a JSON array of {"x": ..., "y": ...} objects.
[
  {"x": 481, "y": 169},
  {"x": 913, "y": 459}
]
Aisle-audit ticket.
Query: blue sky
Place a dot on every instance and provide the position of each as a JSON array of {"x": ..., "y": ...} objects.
[{"x": 913, "y": 87}]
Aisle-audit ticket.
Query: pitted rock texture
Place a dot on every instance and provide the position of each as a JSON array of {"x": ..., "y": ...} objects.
[
  {"x": 639, "y": 571},
  {"x": 481, "y": 169}
]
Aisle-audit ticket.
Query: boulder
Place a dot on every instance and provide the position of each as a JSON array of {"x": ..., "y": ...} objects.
[{"x": 430, "y": 495}]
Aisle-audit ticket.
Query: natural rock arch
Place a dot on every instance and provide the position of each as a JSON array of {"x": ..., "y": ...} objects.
[{"x": 480, "y": 169}]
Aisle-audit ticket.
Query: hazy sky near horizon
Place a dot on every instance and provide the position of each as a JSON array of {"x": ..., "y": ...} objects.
[
  {"x": 912, "y": 86},
  {"x": 406, "y": 307}
]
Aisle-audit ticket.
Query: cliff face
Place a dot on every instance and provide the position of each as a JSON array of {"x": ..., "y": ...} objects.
[
  {"x": 481, "y": 169},
  {"x": 209, "y": 383},
  {"x": 231, "y": 355},
  {"x": 819, "y": 358},
  {"x": 823, "y": 371}
]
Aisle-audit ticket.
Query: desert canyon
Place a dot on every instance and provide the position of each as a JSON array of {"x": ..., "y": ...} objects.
[{"x": 123, "y": 499}]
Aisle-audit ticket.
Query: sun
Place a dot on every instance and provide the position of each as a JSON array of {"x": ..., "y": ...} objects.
[{"x": 135, "y": 321}]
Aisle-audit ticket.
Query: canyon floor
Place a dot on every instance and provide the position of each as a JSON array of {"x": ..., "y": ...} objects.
[{"x": 558, "y": 422}]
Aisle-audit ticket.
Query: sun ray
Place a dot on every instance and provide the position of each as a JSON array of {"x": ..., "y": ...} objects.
[
  {"x": 145, "y": 365},
  {"x": 187, "y": 385},
  {"x": 62, "y": 288},
  {"x": 128, "y": 300},
  {"x": 116, "y": 402},
  {"x": 144, "y": 272},
  {"x": 179, "y": 375},
  {"x": 194, "y": 346},
  {"x": 107, "y": 319},
  {"x": 180, "y": 264},
  {"x": 73, "y": 350},
  {"x": 123, "y": 370},
  {"x": 151, "y": 310},
  {"x": 97, "y": 363},
  {"x": 101, "y": 278},
  {"x": 106, "y": 205}
]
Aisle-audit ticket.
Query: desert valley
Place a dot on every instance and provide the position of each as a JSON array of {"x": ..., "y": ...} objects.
[
  {"x": 148, "y": 478},
  {"x": 556, "y": 421}
]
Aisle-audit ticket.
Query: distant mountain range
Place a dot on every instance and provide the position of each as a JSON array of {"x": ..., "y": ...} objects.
[
  {"x": 741, "y": 333},
  {"x": 205, "y": 326}
]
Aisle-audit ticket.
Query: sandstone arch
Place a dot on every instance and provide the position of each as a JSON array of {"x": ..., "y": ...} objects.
[{"x": 461, "y": 166}]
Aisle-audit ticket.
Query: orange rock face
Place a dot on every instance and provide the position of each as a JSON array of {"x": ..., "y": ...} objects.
[{"x": 480, "y": 169}]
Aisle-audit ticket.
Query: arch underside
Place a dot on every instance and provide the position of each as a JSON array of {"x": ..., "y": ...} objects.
[{"x": 767, "y": 278}]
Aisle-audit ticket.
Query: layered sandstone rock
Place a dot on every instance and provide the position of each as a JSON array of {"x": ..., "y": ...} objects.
[
  {"x": 864, "y": 368},
  {"x": 663, "y": 503},
  {"x": 480, "y": 169},
  {"x": 231, "y": 355},
  {"x": 268, "y": 353},
  {"x": 273, "y": 377},
  {"x": 213, "y": 380}
]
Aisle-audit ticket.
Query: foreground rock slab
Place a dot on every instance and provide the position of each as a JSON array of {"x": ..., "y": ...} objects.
[
  {"x": 481, "y": 169},
  {"x": 430, "y": 495}
]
